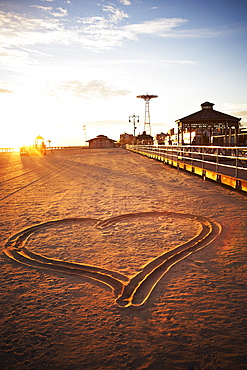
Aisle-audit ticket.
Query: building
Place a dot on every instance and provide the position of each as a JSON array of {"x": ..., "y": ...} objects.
[
  {"x": 144, "y": 139},
  {"x": 220, "y": 139},
  {"x": 162, "y": 139},
  {"x": 126, "y": 139},
  {"x": 200, "y": 127},
  {"x": 101, "y": 141}
]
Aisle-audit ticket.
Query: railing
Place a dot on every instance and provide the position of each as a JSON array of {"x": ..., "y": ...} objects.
[
  {"x": 17, "y": 150},
  {"x": 67, "y": 147},
  {"x": 229, "y": 161},
  {"x": 9, "y": 150}
]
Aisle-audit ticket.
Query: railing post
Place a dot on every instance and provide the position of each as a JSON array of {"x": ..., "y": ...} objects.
[
  {"x": 202, "y": 151},
  {"x": 236, "y": 168},
  {"x": 217, "y": 159}
]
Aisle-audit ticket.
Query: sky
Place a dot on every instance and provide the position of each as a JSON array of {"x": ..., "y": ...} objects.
[{"x": 71, "y": 69}]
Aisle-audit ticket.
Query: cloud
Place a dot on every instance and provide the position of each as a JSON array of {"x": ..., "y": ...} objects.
[
  {"x": 167, "y": 27},
  {"x": 20, "y": 32},
  {"x": 201, "y": 33},
  {"x": 5, "y": 91},
  {"x": 43, "y": 8},
  {"x": 97, "y": 33},
  {"x": 61, "y": 12},
  {"x": 124, "y": 2},
  {"x": 16, "y": 25},
  {"x": 14, "y": 58},
  {"x": 113, "y": 17},
  {"x": 236, "y": 108},
  {"x": 116, "y": 15},
  {"x": 159, "y": 26},
  {"x": 88, "y": 90},
  {"x": 241, "y": 114}
]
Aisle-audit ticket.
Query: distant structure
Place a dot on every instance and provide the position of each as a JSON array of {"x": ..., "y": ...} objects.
[
  {"x": 101, "y": 141},
  {"x": 206, "y": 124},
  {"x": 162, "y": 139},
  {"x": 39, "y": 147},
  {"x": 144, "y": 139},
  {"x": 147, "y": 98},
  {"x": 126, "y": 139}
]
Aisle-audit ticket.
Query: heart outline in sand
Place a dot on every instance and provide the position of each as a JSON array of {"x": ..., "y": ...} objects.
[{"x": 128, "y": 292}]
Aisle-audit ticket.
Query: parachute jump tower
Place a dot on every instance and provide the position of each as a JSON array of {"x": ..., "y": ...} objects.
[{"x": 147, "y": 98}]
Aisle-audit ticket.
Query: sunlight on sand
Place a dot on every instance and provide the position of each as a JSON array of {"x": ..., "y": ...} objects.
[{"x": 115, "y": 219}]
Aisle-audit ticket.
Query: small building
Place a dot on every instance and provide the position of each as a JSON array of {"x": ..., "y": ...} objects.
[
  {"x": 205, "y": 124},
  {"x": 144, "y": 139},
  {"x": 126, "y": 139},
  {"x": 162, "y": 138},
  {"x": 101, "y": 141}
]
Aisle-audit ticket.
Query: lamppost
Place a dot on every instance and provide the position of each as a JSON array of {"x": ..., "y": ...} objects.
[{"x": 135, "y": 119}]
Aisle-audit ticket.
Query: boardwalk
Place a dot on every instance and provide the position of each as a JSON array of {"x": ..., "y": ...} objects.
[{"x": 127, "y": 264}]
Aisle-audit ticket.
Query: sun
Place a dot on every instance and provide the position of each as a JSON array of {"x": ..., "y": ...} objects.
[{"x": 14, "y": 137}]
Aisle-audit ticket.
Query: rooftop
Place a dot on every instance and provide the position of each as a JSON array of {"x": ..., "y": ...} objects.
[{"x": 207, "y": 113}]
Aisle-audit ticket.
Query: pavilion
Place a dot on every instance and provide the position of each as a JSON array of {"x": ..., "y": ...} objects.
[{"x": 205, "y": 124}]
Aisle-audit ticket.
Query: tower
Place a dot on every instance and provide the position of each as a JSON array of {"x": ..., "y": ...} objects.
[{"x": 147, "y": 98}]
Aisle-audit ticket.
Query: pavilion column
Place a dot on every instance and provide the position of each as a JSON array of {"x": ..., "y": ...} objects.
[
  {"x": 226, "y": 129},
  {"x": 230, "y": 136},
  {"x": 182, "y": 134},
  {"x": 236, "y": 135},
  {"x": 211, "y": 130}
]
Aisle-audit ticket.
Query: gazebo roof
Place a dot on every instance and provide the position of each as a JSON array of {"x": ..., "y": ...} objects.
[{"x": 207, "y": 113}]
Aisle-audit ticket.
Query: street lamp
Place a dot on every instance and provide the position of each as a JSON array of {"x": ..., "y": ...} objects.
[{"x": 135, "y": 119}]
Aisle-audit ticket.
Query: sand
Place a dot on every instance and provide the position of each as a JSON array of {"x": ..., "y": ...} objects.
[{"x": 115, "y": 212}]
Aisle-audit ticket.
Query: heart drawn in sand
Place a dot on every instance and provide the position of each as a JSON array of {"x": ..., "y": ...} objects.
[{"x": 133, "y": 291}]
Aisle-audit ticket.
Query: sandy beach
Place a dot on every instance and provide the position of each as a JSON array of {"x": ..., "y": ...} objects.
[{"x": 152, "y": 272}]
